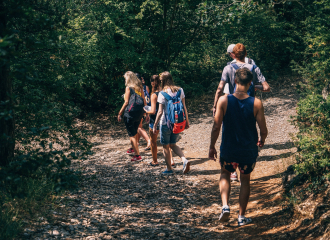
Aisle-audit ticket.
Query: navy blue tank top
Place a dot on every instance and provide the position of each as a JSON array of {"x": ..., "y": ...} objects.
[
  {"x": 239, "y": 131},
  {"x": 146, "y": 95}
]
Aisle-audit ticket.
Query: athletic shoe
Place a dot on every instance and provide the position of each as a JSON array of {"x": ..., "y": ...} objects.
[
  {"x": 136, "y": 158},
  {"x": 233, "y": 176},
  {"x": 167, "y": 172},
  {"x": 186, "y": 166},
  {"x": 130, "y": 151},
  {"x": 224, "y": 216},
  {"x": 243, "y": 221}
]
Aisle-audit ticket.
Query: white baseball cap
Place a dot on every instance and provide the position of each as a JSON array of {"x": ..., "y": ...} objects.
[{"x": 230, "y": 48}]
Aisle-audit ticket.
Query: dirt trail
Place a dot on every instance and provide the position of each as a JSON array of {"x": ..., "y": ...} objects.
[{"x": 123, "y": 200}]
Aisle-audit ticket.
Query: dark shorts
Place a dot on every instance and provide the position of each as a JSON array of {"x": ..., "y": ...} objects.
[
  {"x": 132, "y": 125},
  {"x": 232, "y": 166}
]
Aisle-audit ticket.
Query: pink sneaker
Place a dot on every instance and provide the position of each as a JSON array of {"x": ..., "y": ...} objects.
[
  {"x": 130, "y": 151},
  {"x": 233, "y": 176},
  {"x": 136, "y": 158}
]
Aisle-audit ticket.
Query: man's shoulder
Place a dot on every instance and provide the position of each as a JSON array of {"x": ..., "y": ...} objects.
[{"x": 257, "y": 103}]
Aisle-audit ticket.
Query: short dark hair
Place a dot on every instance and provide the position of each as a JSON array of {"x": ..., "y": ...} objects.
[{"x": 243, "y": 76}]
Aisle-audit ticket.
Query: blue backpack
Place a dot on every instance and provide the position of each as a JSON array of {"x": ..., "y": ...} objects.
[
  {"x": 251, "y": 90},
  {"x": 174, "y": 104}
]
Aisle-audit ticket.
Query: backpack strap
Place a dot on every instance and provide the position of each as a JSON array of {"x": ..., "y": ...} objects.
[
  {"x": 178, "y": 94},
  {"x": 234, "y": 65},
  {"x": 131, "y": 90},
  {"x": 166, "y": 96},
  {"x": 253, "y": 67}
]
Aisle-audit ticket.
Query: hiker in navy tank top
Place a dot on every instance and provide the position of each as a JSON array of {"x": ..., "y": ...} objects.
[
  {"x": 238, "y": 53},
  {"x": 239, "y": 145},
  {"x": 155, "y": 83}
]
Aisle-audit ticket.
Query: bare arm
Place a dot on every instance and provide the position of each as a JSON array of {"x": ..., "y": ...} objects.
[
  {"x": 159, "y": 115},
  {"x": 148, "y": 89},
  {"x": 264, "y": 87},
  {"x": 218, "y": 118},
  {"x": 145, "y": 104},
  {"x": 260, "y": 117},
  {"x": 185, "y": 110},
  {"x": 126, "y": 99},
  {"x": 217, "y": 95},
  {"x": 153, "y": 104}
]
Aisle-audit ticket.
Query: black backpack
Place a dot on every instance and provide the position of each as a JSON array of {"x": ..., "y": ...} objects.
[{"x": 135, "y": 105}]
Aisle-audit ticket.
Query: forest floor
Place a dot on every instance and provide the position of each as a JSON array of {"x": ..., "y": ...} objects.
[{"x": 119, "y": 199}]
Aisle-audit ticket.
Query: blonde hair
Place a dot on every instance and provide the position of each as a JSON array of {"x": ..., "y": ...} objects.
[
  {"x": 167, "y": 82},
  {"x": 131, "y": 80}
]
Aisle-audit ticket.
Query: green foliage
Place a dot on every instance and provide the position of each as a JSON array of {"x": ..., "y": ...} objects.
[
  {"x": 313, "y": 112},
  {"x": 313, "y": 141}
]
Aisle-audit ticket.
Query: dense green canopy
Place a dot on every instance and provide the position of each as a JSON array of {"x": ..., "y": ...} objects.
[{"x": 64, "y": 60}]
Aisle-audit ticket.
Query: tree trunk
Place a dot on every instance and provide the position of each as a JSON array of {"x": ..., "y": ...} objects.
[{"x": 7, "y": 143}]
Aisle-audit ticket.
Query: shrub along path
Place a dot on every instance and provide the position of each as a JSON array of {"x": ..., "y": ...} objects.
[{"x": 125, "y": 200}]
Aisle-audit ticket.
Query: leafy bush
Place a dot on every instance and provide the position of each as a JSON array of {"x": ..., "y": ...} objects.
[
  {"x": 313, "y": 139},
  {"x": 313, "y": 112}
]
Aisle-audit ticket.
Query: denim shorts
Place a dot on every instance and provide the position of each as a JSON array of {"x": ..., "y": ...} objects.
[{"x": 167, "y": 136}]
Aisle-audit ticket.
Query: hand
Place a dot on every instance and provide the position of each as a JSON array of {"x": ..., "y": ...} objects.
[
  {"x": 187, "y": 125},
  {"x": 119, "y": 118},
  {"x": 214, "y": 110},
  {"x": 147, "y": 118},
  {"x": 213, "y": 154},
  {"x": 260, "y": 143},
  {"x": 154, "y": 130}
]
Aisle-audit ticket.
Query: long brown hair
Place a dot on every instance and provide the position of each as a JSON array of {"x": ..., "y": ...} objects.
[
  {"x": 155, "y": 79},
  {"x": 167, "y": 81}
]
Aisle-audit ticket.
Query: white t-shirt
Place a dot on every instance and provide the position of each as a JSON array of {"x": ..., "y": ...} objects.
[{"x": 162, "y": 100}]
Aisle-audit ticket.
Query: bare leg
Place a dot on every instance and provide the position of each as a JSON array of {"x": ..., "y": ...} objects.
[
  {"x": 153, "y": 138},
  {"x": 172, "y": 160},
  {"x": 143, "y": 133},
  {"x": 224, "y": 186},
  {"x": 134, "y": 144},
  {"x": 167, "y": 156},
  {"x": 177, "y": 151},
  {"x": 244, "y": 193}
]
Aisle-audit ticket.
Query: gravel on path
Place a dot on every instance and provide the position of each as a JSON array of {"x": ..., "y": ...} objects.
[{"x": 119, "y": 199}]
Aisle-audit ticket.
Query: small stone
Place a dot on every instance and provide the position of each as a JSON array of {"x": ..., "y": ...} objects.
[{"x": 56, "y": 233}]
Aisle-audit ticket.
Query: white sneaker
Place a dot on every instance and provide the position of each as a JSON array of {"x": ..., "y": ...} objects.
[
  {"x": 233, "y": 176},
  {"x": 224, "y": 216},
  {"x": 243, "y": 221},
  {"x": 186, "y": 166}
]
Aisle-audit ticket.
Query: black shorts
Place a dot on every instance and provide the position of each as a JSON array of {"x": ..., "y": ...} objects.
[
  {"x": 132, "y": 125},
  {"x": 232, "y": 166}
]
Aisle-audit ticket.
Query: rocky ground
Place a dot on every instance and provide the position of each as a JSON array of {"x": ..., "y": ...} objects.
[{"x": 119, "y": 199}]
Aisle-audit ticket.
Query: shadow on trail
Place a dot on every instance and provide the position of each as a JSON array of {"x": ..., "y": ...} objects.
[
  {"x": 138, "y": 202},
  {"x": 279, "y": 146},
  {"x": 276, "y": 157}
]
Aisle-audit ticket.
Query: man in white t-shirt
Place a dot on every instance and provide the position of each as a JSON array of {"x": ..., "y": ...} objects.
[{"x": 224, "y": 87}]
